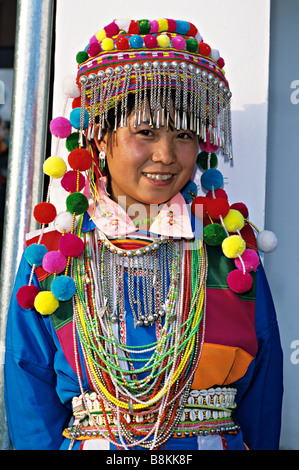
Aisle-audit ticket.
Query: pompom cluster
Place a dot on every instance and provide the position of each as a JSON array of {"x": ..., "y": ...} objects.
[
  {"x": 73, "y": 181},
  {"x": 150, "y": 34},
  {"x": 223, "y": 223}
]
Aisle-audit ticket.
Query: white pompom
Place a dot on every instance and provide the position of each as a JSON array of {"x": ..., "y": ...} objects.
[
  {"x": 70, "y": 87},
  {"x": 123, "y": 23},
  {"x": 267, "y": 241},
  {"x": 63, "y": 222},
  {"x": 215, "y": 55},
  {"x": 198, "y": 37}
]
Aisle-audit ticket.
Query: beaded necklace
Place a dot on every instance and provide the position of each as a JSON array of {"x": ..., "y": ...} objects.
[{"x": 162, "y": 381}]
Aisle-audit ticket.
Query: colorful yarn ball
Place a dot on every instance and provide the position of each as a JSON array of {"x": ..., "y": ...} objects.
[
  {"x": 241, "y": 207},
  {"x": 45, "y": 303},
  {"x": 64, "y": 222},
  {"x": 267, "y": 241},
  {"x": 60, "y": 127},
  {"x": 71, "y": 245},
  {"x": 70, "y": 87},
  {"x": 154, "y": 26},
  {"x": 72, "y": 141},
  {"x": 26, "y": 296},
  {"x": 70, "y": 180},
  {"x": 34, "y": 254},
  {"x": 192, "y": 45},
  {"x": 80, "y": 159},
  {"x": 239, "y": 282},
  {"x": 204, "y": 49},
  {"x": 250, "y": 259},
  {"x": 75, "y": 118},
  {"x": 211, "y": 178},
  {"x": 144, "y": 26},
  {"x": 150, "y": 41},
  {"x": 234, "y": 220},
  {"x": 208, "y": 146},
  {"x": 107, "y": 44},
  {"x": 55, "y": 167},
  {"x": 182, "y": 27},
  {"x": 76, "y": 103},
  {"x": 214, "y": 234},
  {"x": 93, "y": 49},
  {"x": 63, "y": 288},
  {"x": 233, "y": 246},
  {"x": 163, "y": 24},
  {"x": 54, "y": 261},
  {"x": 122, "y": 43},
  {"x": 221, "y": 62},
  {"x": 179, "y": 43},
  {"x": 163, "y": 40},
  {"x": 44, "y": 212},
  {"x": 133, "y": 27},
  {"x": 199, "y": 206},
  {"x": 203, "y": 160},
  {"x": 77, "y": 203},
  {"x": 111, "y": 29},
  {"x": 136, "y": 41},
  {"x": 81, "y": 57},
  {"x": 214, "y": 54},
  {"x": 189, "y": 191},
  {"x": 217, "y": 208},
  {"x": 217, "y": 193}
]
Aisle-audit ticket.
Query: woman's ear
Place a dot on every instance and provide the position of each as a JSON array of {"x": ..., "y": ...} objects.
[{"x": 101, "y": 143}]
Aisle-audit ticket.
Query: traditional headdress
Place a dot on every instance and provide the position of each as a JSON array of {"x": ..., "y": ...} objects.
[{"x": 159, "y": 62}]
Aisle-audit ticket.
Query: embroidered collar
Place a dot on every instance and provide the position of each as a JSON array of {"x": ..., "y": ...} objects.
[{"x": 173, "y": 219}]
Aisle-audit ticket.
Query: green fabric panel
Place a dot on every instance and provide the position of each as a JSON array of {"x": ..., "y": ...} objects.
[{"x": 64, "y": 314}]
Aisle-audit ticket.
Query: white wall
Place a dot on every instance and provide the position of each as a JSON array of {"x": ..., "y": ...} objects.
[{"x": 225, "y": 25}]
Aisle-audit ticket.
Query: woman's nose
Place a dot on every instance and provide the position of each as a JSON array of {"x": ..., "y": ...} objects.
[{"x": 164, "y": 152}]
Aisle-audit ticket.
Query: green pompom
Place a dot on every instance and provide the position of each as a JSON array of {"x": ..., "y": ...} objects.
[
  {"x": 192, "y": 45},
  {"x": 214, "y": 234},
  {"x": 81, "y": 57},
  {"x": 202, "y": 160},
  {"x": 77, "y": 202},
  {"x": 144, "y": 26},
  {"x": 72, "y": 141}
]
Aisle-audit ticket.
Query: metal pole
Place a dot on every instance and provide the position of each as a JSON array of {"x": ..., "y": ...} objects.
[{"x": 26, "y": 153}]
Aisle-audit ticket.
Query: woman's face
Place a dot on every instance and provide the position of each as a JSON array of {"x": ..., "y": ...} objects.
[{"x": 148, "y": 165}]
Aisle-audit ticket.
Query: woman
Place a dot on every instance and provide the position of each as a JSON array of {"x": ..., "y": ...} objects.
[{"x": 126, "y": 330}]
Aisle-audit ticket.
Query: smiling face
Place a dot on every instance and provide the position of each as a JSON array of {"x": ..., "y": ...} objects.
[{"x": 148, "y": 165}]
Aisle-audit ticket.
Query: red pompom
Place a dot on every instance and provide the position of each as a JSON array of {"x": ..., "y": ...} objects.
[
  {"x": 134, "y": 27},
  {"x": 199, "y": 206},
  {"x": 26, "y": 295},
  {"x": 122, "y": 43},
  {"x": 239, "y": 282},
  {"x": 44, "y": 212},
  {"x": 218, "y": 193},
  {"x": 221, "y": 62},
  {"x": 71, "y": 245},
  {"x": 76, "y": 103},
  {"x": 80, "y": 159},
  {"x": 204, "y": 49},
  {"x": 240, "y": 206},
  {"x": 69, "y": 181},
  {"x": 217, "y": 208}
]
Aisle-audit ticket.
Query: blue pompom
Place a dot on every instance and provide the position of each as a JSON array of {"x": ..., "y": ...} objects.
[
  {"x": 182, "y": 27},
  {"x": 75, "y": 117},
  {"x": 189, "y": 191},
  {"x": 211, "y": 178},
  {"x": 34, "y": 254},
  {"x": 136, "y": 41},
  {"x": 63, "y": 288}
]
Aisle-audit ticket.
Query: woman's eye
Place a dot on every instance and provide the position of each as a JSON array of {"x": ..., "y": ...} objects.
[
  {"x": 145, "y": 132},
  {"x": 184, "y": 135}
]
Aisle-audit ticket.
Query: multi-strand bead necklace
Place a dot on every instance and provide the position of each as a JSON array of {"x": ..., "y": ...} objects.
[{"x": 162, "y": 285}]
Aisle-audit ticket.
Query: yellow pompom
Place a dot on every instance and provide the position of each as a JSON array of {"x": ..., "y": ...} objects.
[
  {"x": 163, "y": 25},
  {"x": 55, "y": 167},
  {"x": 163, "y": 40},
  {"x": 45, "y": 303},
  {"x": 107, "y": 44},
  {"x": 100, "y": 35},
  {"x": 233, "y": 246},
  {"x": 234, "y": 220}
]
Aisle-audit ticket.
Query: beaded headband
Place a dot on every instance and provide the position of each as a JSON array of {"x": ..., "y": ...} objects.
[{"x": 155, "y": 57}]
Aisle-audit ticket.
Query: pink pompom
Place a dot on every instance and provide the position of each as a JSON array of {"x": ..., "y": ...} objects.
[
  {"x": 239, "y": 282},
  {"x": 93, "y": 49},
  {"x": 69, "y": 181},
  {"x": 154, "y": 26},
  {"x": 54, "y": 261},
  {"x": 178, "y": 42},
  {"x": 71, "y": 245},
  {"x": 250, "y": 259},
  {"x": 171, "y": 25},
  {"x": 221, "y": 62},
  {"x": 111, "y": 29},
  {"x": 241, "y": 207},
  {"x": 150, "y": 41},
  {"x": 26, "y": 295},
  {"x": 207, "y": 146},
  {"x": 60, "y": 127}
]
